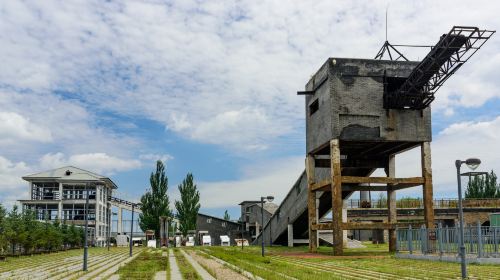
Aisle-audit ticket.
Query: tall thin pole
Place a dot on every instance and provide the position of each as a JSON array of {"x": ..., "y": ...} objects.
[
  {"x": 242, "y": 223},
  {"x": 85, "y": 242},
  {"x": 262, "y": 220},
  {"x": 168, "y": 225},
  {"x": 131, "y": 230},
  {"x": 109, "y": 227},
  {"x": 458, "y": 163}
]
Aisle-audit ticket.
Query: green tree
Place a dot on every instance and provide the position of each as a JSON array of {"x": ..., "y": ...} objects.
[
  {"x": 155, "y": 202},
  {"x": 29, "y": 238},
  {"x": 14, "y": 232},
  {"x": 188, "y": 206},
  {"x": 3, "y": 240},
  {"x": 483, "y": 186},
  {"x": 226, "y": 216}
]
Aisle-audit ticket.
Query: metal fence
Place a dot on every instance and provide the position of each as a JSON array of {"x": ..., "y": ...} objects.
[{"x": 479, "y": 241}]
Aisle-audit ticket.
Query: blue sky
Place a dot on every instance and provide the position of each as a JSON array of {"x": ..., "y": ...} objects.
[{"x": 210, "y": 88}]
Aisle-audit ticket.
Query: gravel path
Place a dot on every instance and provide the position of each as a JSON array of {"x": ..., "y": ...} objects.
[
  {"x": 221, "y": 272},
  {"x": 175, "y": 273}
]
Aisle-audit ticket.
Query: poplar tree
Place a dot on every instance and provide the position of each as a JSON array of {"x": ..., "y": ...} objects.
[
  {"x": 189, "y": 205},
  {"x": 226, "y": 216},
  {"x": 155, "y": 202}
]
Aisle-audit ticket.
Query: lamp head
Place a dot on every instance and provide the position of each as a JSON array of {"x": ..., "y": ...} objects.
[
  {"x": 473, "y": 163},
  {"x": 270, "y": 198}
]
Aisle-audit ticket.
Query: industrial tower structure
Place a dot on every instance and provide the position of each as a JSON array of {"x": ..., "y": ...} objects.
[{"x": 360, "y": 113}]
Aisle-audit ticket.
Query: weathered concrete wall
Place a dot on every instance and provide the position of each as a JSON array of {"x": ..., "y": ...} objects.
[
  {"x": 350, "y": 104},
  {"x": 293, "y": 206}
]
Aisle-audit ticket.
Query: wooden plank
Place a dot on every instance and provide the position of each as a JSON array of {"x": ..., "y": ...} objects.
[
  {"x": 321, "y": 185},
  {"x": 357, "y": 225},
  {"x": 336, "y": 178},
  {"x": 427, "y": 187},
  {"x": 323, "y": 226},
  {"x": 311, "y": 204},
  {"x": 382, "y": 180}
]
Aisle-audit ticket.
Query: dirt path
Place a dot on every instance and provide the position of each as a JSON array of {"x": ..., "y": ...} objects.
[{"x": 220, "y": 271}]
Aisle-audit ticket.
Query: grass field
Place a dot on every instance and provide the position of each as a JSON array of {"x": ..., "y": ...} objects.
[
  {"x": 145, "y": 265},
  {"x": 66, "y": 264},
  {"x": 187, "y": 271},
  {"x": 371, "y": 263}
]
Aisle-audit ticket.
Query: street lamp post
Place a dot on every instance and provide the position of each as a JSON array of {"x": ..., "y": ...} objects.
[
  {"x": 85, "y": 242},
  {"x": 472, "y": 163},
  {"x": 131, "y": 230},
  {"x": 262, "y": 199}
]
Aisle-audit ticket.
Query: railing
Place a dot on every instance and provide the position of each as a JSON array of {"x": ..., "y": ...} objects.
[
  {"x": 479, "y": 241},
  {"x": 418, "y": 203}
]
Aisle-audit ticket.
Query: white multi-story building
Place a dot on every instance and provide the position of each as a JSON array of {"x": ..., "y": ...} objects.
[{"x": 59, "y": 194}]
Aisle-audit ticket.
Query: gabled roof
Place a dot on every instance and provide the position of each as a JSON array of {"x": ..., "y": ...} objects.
[{"x": 69, "y": 173}]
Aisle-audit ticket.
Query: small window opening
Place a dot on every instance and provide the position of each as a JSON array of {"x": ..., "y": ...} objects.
[
  {"x": 313, "y": 107},
  {"x": 394, "y": 83}
]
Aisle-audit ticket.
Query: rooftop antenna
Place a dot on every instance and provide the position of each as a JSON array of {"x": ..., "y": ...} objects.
[
  {"x": 386, "y": 11},
  {"x": 388, "y": 48}
]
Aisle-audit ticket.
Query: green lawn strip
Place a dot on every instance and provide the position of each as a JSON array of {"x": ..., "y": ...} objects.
[
  {"x": 96, "y": 265},
  {"x": 336, "y": 269},
  {"x": 29, "y": 261},
  {"x": 94, "y": 257},
  {"x": 382, "y": 265},
  {"x": 187, "y": 270},
  {"x": 144, "y": 266},
  {"x": 49, "y": 263},
  {"x": 251, "y": 261}
]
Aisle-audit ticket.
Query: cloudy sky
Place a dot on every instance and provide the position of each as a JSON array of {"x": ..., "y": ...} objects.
[{"x": 210, "y": 87}]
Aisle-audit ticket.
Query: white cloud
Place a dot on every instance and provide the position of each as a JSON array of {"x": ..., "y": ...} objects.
[
  {"x": 152, "y": 158},
  {"x": 458, "y": 141},
  {"x": 96, "y": 162},
  {"x": 275, "y": 178},
  {"x": 218, "y": 72},
  {"x": 14, "y": 127},
  {"x": 12, "y": 187}
]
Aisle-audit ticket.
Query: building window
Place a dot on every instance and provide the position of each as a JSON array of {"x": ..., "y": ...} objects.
[
  {"x": 209, "y": 220},
  {"x": 223, "y": 224},
  {"x": 313, "y": 107}
]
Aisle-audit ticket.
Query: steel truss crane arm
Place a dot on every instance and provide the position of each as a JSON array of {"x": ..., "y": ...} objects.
[{"x": 444, "y": 59}]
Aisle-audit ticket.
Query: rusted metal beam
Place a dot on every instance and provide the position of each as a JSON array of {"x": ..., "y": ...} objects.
[
  {"x": 336, "y": 179},
  {"x": 311, "y": 204},
  {"x": 357, "y": 225},
  {"x": 323, "y": 226},
  {"x": 383, "y": 180},
  {"x": 427, "y": 187},
  {"x": 321, "y": 185}
]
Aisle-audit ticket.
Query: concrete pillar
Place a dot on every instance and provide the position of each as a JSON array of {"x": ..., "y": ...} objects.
[
  {"x": 290, "y": 235},
  {"x": 311, "y": 204},
  {"x": 338, "y": 248},
  {"x": 391, "y": 203},
  {"x": 257, "y": 229},
  {"x": 60, "y": 205},
  {"x": 119, "y": 227},
  {"x": 427, "y": 187}
]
